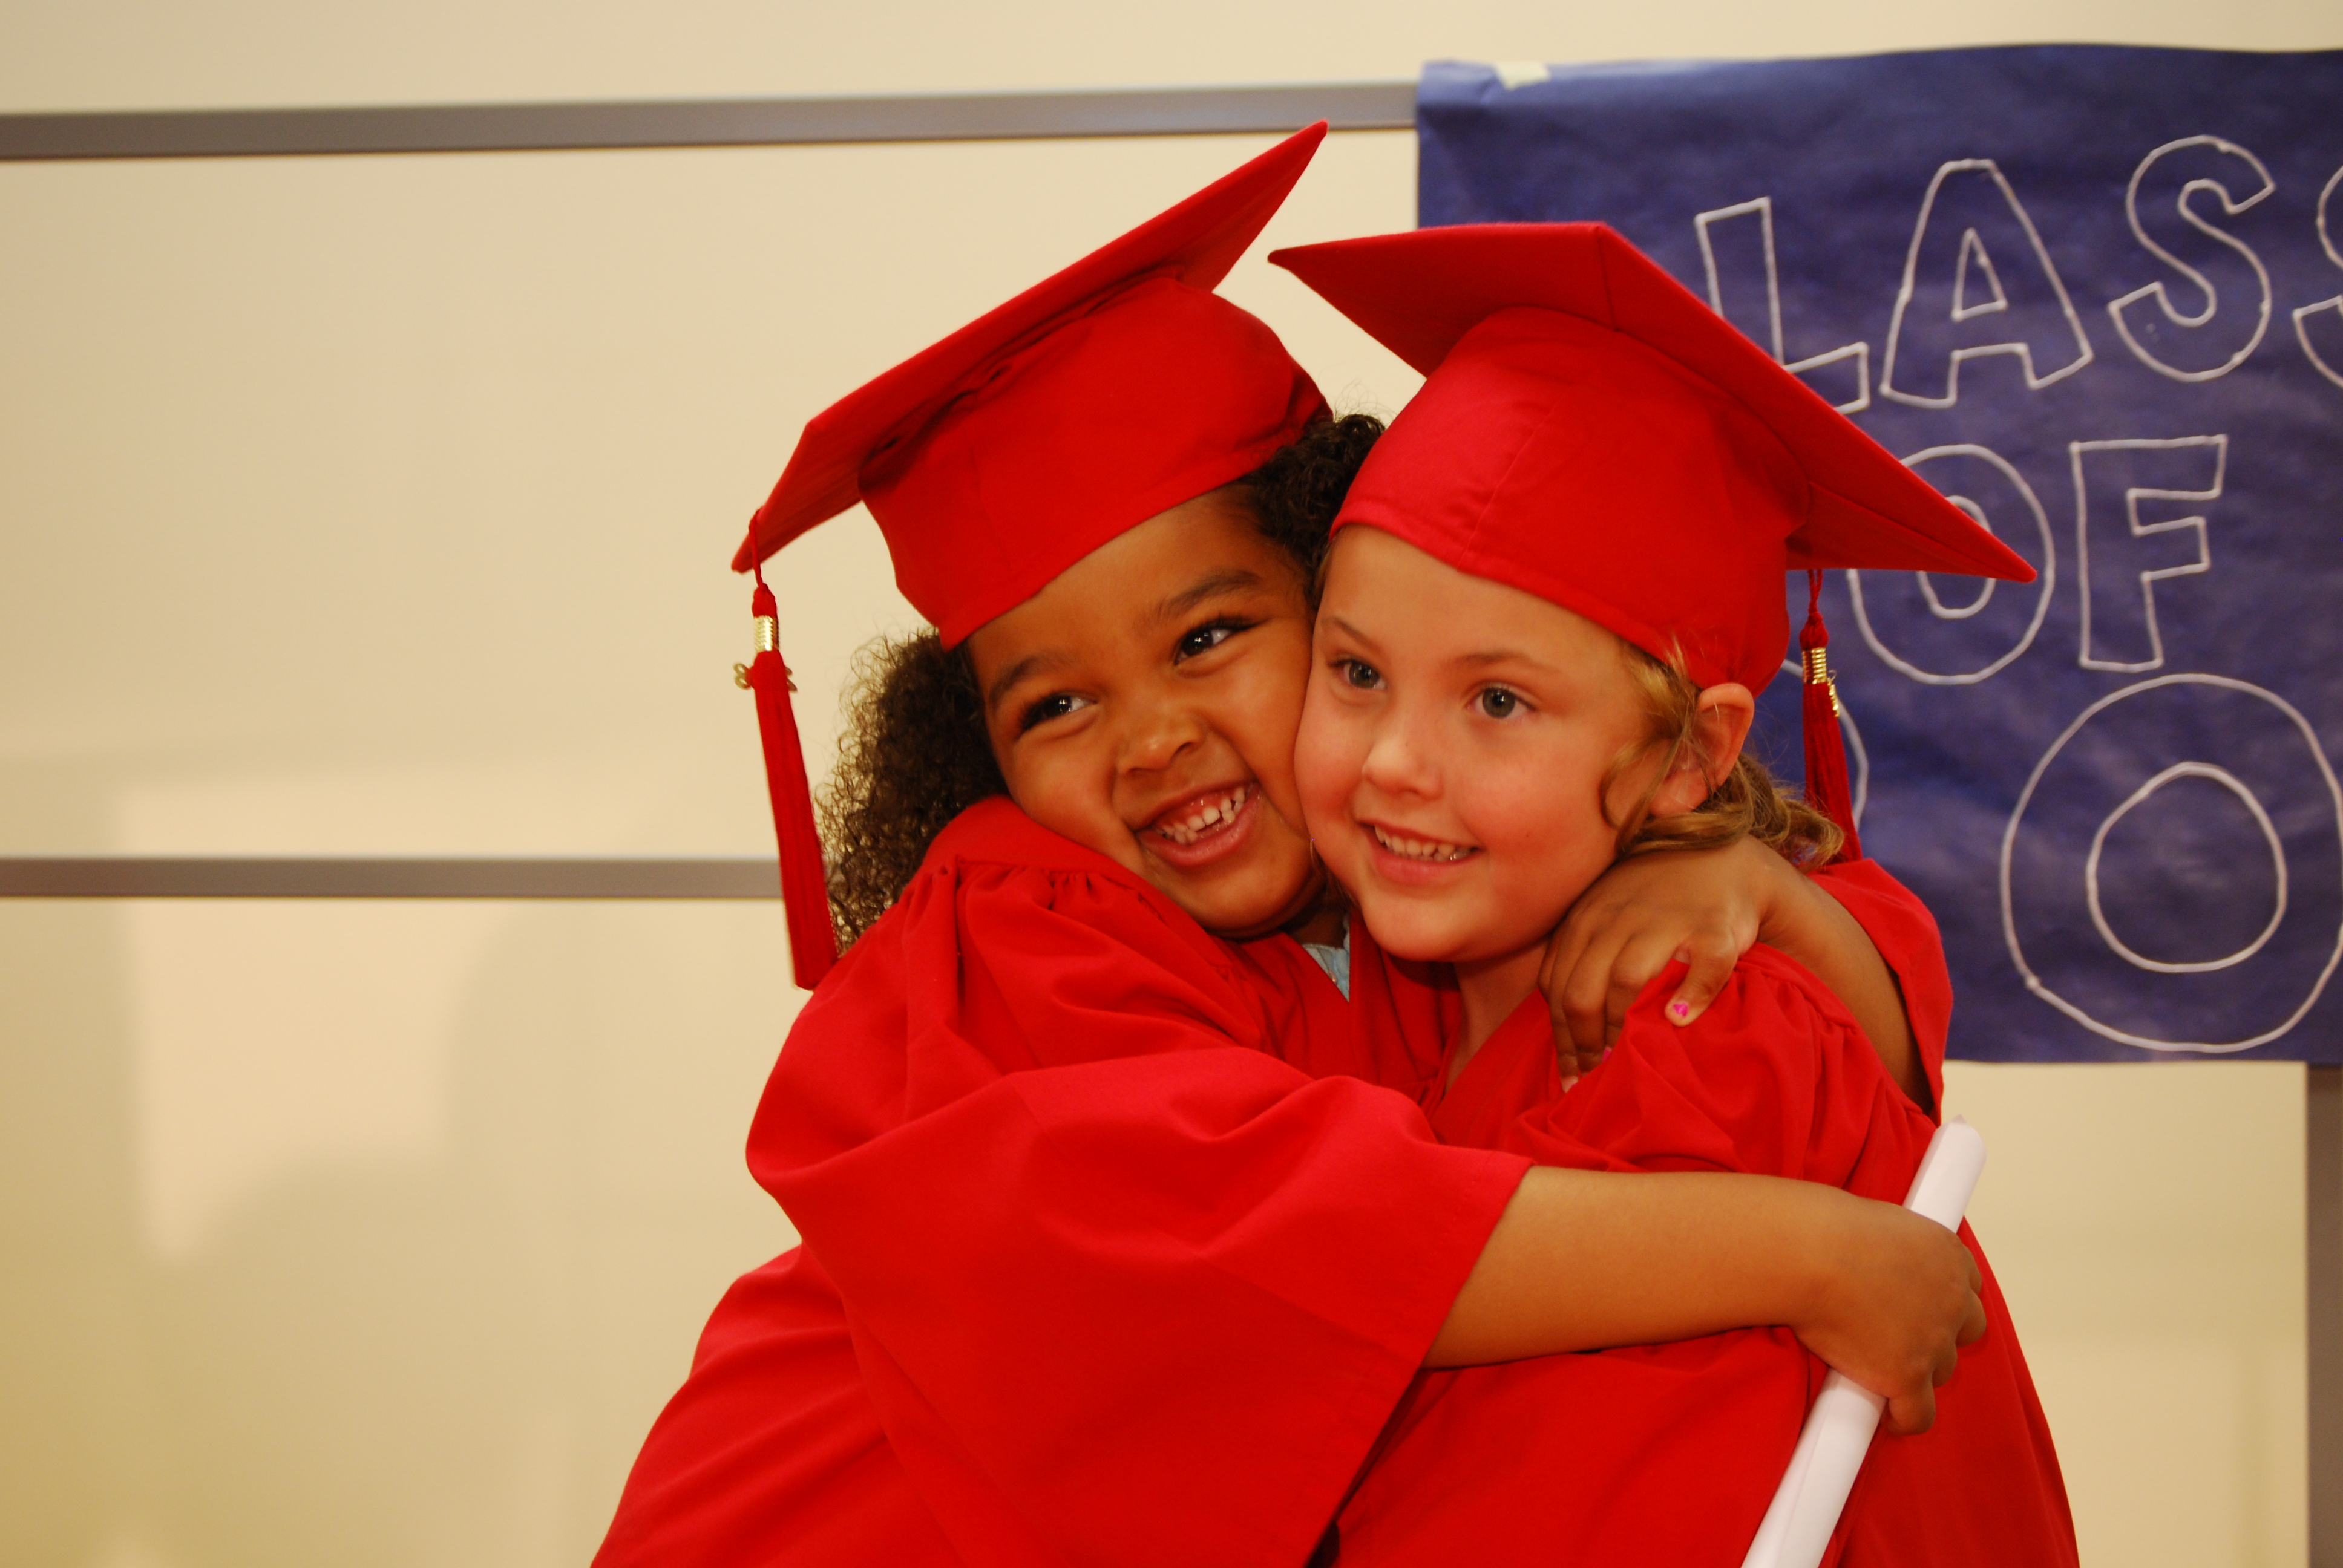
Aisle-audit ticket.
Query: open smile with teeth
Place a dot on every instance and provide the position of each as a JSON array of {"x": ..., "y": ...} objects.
[
  {"x": 1423, "y": 849},
  {"x": 1201, "y": 815}
]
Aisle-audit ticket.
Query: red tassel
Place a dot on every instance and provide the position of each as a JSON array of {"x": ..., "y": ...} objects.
[
  {"x": 1826, "y": 785},
  {"x": 805, "y": 882}
]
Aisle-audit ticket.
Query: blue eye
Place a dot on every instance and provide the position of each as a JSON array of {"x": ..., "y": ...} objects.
[{"x": 1496, "y": 702}]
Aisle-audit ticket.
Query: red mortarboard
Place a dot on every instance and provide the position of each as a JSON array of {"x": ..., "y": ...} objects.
[
  {"x": 1594, "y": 434},
  {"x": 995, "y": 459}
]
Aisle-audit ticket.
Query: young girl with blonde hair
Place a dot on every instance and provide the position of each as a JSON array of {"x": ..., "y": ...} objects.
[{"x": 1555, "y": 587}]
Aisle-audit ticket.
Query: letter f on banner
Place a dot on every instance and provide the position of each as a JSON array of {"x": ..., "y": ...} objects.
[
  {"x": 2120, "y": 555},
  {"x": 1977, "y": 280}
]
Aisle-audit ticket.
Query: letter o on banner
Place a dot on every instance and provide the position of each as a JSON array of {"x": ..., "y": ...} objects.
[
  {"x": 2172, "y": 878},
  {"x": 1903, "y": 614}
]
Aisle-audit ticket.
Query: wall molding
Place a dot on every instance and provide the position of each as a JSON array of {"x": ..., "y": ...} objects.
[{"x": 705, "y": 122}]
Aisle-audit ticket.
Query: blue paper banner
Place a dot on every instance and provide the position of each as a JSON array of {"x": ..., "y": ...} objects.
[{"x": 2094, "y": 295}]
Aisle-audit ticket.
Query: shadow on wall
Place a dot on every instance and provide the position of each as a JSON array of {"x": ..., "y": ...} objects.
[{"x": 446, "y": 1355}]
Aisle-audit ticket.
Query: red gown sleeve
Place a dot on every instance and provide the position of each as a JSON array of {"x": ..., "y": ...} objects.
[
  {"x": 1900, "y": 926},
  {"x": 1123, "y": 1287},
  {"x": 771, "y": 1451}
]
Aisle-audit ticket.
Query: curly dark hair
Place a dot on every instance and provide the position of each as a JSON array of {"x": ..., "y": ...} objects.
[{"x": 913, "y": 752}]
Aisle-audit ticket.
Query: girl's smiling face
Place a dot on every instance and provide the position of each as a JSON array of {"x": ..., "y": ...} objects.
[
  {"x": 1454, "y": 751},
  {"x": 1144, "y": 704}
]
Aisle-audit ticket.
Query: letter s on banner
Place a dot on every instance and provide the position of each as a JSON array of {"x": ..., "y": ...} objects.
[
  {"x": 2328, "y": 364},
  {"x": 2215, "y": 922},
  {"x": 2198, "y": 162}
]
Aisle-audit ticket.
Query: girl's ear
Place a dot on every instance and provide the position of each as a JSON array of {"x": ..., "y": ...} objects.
[{"x": 1721, "y": 719}]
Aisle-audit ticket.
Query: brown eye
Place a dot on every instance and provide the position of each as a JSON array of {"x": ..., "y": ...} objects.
[
  {"x": 1206, "y": 638},
  {"x": 1496, "y": 702},
  {"x": 1056, "y": 705},
  {"x": 1358, "y": 673}
]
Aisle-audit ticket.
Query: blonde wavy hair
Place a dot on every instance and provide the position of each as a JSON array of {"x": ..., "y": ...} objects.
[{"x": 1747, "y": 803}]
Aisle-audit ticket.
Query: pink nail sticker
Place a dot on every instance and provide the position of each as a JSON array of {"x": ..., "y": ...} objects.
[{"x": 1681, "y": 1008}]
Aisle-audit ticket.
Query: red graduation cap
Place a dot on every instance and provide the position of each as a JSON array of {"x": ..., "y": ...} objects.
[
  {"x": 1592, "y": 433},
  {"x": 997, "y": 458}
]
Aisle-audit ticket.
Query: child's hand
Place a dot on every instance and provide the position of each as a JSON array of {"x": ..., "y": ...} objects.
[
  {"x": 1896, "y": 1297},
  {"x": 1703, "y": 906}
]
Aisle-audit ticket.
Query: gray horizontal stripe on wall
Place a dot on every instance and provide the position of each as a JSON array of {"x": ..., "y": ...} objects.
[
  {"x": 247, "y": 877},
  {"x": 705, "y": 123}
]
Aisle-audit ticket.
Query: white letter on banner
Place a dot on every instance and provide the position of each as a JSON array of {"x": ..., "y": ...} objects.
[
  {"x": 2197, "y": 164},
  {"x": 2119, "y": 630},
  {"x": 1974, "y": 305},
  {"x": 1732, "y": 247},
  {"x": 2212, "y": 919},
  {"x": 2329, "y": 365},
  {"x": 1961, "y": 644}
]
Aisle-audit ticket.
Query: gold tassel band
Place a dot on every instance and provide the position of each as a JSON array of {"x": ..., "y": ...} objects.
[
  {"x": 1817, "y": 662},
  {"x": 768, "y": 640}
]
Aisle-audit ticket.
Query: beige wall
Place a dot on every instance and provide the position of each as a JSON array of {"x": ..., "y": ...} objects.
[{"x": 381, "y": 505}]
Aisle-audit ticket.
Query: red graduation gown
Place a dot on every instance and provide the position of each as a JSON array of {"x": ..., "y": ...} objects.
[
  {"x": 1670, "y": 1454},
  {"x": 1091, "y": 1274}
]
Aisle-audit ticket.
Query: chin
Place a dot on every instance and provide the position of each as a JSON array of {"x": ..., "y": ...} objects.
[
  {"x": 1404, "y": 933},
  {"x": 1240, "y": 914},
  {"x": 1234, "y": 925}
]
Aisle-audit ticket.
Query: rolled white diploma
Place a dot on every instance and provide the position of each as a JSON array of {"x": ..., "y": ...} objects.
[{"x": 1797, "y": 1527}]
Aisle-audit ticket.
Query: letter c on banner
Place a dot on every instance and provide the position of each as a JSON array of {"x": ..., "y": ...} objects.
[{"x": 2205, "y": 920}]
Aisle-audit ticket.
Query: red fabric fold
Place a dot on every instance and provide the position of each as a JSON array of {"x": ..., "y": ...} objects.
[
  {"x": 1670, "y": 1454},
  {"x": 1121, "y": 1282}
]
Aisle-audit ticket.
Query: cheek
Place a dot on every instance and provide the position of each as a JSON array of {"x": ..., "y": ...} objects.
[
  {"x": 1261, "y": 712},
  {"x": 1325, "y": 761},
  {"x": 1511, "y": 808},
  {"x": 1273, "y": 706},
  {"x": 1069, "y": 800},
  {"x": 1540, "y": 817}
]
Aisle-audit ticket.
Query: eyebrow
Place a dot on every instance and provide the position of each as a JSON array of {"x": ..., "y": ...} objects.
[
  {"x": 1229, "y": 579},
  {"x": 1479, "y": 659},
  {"x": 1032, "y": 663}
]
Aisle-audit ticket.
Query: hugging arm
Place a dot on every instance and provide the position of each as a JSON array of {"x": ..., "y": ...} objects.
[
  {"x": 1706, "y": 907},
  {"x": 1583, "y": 1260}
]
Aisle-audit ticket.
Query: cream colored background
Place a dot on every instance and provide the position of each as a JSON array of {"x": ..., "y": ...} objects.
[{"x": 382, "y": 504}]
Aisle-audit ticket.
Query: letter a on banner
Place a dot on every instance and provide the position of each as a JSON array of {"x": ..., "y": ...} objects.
[{"x": 1977, "y": 280}]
